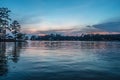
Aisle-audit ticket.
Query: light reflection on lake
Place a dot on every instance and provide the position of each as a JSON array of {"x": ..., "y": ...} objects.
[{"x": 60, "y": 60}]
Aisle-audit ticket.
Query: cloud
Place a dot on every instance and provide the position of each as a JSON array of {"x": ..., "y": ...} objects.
[
  {"x": 75, "y": 31},
  {"x": 42, "y": 25},
  {"x": 110, "y": 25},
  {"x": 103, "y": 28}
]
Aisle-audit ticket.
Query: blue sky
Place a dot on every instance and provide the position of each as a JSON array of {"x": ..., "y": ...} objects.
[{"x": 61, "y": 14}]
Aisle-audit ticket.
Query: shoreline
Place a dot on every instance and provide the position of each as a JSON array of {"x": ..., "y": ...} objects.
[
  {"x": 11, "y": 40},
  {"x": 52, "y": 41}
]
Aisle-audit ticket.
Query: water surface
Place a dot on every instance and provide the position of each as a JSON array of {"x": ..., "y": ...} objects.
[{"x": 60, "y": 60}]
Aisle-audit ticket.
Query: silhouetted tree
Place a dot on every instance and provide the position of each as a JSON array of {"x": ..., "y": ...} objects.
[
  {"x": 15, "y": 27},
  {"x": 4, "y": 20},
  {"x": 86, "y": 37}
]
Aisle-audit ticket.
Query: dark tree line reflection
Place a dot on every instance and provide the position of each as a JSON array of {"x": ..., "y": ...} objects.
[
  {"x": 73, "y": 44},
  {"x": 16, "y": 52},
  {"x": 9, "y": 51},
  {"x": 3, "y": 59}
]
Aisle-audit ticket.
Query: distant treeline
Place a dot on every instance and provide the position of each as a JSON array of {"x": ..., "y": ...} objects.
[{"x": 86, "y": 37}]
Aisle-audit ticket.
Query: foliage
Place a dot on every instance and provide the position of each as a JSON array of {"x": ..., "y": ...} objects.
[
  {"x": 5, "y": 21},
  {"x": 87, "y": 37},
  {"x": 4, "y": 17}
]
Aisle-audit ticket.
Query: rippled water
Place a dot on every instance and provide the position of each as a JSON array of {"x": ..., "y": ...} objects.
[{"x": 65, "y": 60}]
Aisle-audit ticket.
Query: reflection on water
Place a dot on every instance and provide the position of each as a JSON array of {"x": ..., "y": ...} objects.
[
  {"x": 3, "y": 61},
  {"x": 8, "y": 51},
  {"x": 60, "y": 60}
]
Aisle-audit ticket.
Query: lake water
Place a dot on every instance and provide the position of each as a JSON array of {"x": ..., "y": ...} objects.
[{"x": 63, "y": 60}]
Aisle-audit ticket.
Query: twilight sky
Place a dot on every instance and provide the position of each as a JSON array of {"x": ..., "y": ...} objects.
[{"x": 45, "y": 15}]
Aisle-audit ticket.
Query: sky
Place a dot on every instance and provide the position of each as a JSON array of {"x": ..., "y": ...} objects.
[{"x": 67, "y": 15}]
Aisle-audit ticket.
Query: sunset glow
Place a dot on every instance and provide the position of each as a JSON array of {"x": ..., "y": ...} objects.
[{"x": 47, "y": 15}]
